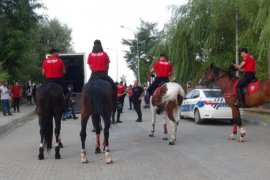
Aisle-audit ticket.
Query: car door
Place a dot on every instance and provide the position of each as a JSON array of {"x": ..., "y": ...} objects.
[
  {"x": 195, "y": 98},
  {"x": 186, "y": 105}
]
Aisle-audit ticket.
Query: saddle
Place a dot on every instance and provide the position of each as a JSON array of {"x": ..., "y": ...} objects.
[{"x": 251, "y": 88}]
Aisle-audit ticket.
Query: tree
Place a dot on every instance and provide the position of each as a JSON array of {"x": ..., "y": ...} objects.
[
  {"x": 17, "y": 21},
  {"x": 147, "y": 33}
]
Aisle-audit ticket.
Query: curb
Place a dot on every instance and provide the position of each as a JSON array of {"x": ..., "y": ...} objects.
[
  {"x": 257, "y": 110},
  {"x": 17, "y": 122}
]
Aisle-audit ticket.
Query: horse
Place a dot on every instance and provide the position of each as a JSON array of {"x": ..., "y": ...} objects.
[
  {"x": 97, "y": 102},
  {"x": 258, "y": 94},
  {"x": 167, "y": 97},
  {"x": 49, "y": 105}
]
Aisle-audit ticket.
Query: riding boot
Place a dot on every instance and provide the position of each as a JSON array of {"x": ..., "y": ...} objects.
[{"x": 240, "y": 103}]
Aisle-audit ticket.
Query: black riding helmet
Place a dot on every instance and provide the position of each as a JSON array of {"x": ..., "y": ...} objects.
[
  {"x": 242, "y": 49},
  {"x": 53, "y": 50}
]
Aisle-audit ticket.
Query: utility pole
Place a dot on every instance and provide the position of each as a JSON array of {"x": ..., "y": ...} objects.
[
  {"x": 236, "y": 39},
  {"x": 138, "y": 53}
]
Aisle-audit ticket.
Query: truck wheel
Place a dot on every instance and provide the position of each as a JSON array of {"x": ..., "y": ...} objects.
[{"x": 197, "y": 117}]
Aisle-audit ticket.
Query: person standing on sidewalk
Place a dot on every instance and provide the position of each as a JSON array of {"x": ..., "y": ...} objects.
[
  {"x": 5, "y": 98},
  {"x": 129, "y": 92},
  {"x": 138, "y": 94},
  {"x": 121, "y": 93},
  {"x": 16, "y": 93}
]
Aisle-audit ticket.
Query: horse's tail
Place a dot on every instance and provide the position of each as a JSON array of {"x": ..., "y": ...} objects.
[
  {"x": 47, "y": 123},
  {"x": 181, "y": 95},
  {"x": 97, "y": 100}
]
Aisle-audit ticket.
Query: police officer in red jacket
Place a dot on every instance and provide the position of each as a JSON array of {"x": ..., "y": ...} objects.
[
  {"x": 163, "y": 69},
  {"x": 99, "y": 61},
  {"x": 53, "y": 69},
  {"x": 248, "y": 65}
]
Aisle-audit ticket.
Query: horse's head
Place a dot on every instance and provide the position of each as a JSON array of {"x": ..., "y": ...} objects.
[{"x": 209, "y": 75}]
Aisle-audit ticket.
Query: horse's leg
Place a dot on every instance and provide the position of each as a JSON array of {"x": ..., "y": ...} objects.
[
  {"x": 154, "y": 113},
  {"x": 85, "y": 114},
  {"x": 42, "y": 137},
  {"x": 165, "y": 129},
  {"x": 234, "y": 126},
  {"x": 173, "y": 114},
  {"x": 107, "y": 123},
  {"x": 96, "y": 122},
  {"x": 242, "y": 131},
  {"x": 57, "y": 129}
]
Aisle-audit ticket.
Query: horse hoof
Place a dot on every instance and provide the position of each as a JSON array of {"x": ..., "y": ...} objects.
[
  {"x": 84, "y": 160},
  {"x": 57, "y": 156},
  {"x": 97, "y": 150},
  {"x": 171, "y": 143},
  {"x": 108, "y": 158},
  {"x": 151, "y": 135},
  {"x": 110, "y": 161},
  {"x": 241, "y": 139},
  {"x": 165, "y": 138},
  {"x": 231, "y": 137},
  {"x": 40, "y": 157},
  {"x": 61, "y": 145}
]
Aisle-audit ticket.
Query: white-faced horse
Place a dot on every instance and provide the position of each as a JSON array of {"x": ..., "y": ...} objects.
[{"x": 167, "y": 98}]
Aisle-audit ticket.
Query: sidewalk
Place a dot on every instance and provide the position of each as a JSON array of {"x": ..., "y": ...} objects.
[
  {"x": 258, "y": 110},
  {"x": 9, "y": 122}
]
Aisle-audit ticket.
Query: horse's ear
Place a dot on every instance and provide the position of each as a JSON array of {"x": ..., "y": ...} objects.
[{"x": 211, "y": 65}]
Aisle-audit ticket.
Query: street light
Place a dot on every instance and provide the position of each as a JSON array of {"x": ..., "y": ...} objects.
[
  {"x": 116, "y": 51},
  {"x": 138, "y": 54}
]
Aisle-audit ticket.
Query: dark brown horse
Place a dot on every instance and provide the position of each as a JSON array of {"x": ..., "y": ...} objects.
[
  {"x": 96, "y": 102},
  {"x": 227, "y": 82},
  {"x": 49, "y": 105}
]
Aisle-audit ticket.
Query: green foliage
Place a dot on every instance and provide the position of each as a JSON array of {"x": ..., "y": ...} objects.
[
  {"x": 25, "y": 38},
  {"x": 203, "y": 32},
  {"x": 147, "y": 35}
]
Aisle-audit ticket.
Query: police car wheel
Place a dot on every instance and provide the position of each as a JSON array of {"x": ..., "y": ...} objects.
[{"x": 197, "y": 117}]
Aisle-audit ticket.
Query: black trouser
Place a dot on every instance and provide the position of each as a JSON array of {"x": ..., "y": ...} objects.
[
  {"x": 59, "y": 81},
  {"x": 130, "y": 102},
  {"x": 137, "y": 107},
  {"x": 121, "y": 100},
  {"x": 16, "y": 104},
  {"x": 156, "y": 83},
  {"x": 245, "y": 80},
  {"x": 104, "y": 76}
]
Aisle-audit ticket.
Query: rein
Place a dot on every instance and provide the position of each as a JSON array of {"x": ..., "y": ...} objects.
[{"x": 229, "y": 94}]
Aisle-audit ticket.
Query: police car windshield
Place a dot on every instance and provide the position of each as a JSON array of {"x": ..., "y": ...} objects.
[{"x": 213, "y": 94}]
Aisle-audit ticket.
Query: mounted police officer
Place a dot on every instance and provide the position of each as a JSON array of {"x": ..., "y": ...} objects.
[{"x": 248, "y": 65}]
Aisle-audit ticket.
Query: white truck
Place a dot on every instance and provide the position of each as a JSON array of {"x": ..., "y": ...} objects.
[{"x": 76, "y": 67}]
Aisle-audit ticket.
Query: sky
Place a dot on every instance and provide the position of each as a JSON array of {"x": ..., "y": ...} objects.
[{"x": 101, "y": 19}]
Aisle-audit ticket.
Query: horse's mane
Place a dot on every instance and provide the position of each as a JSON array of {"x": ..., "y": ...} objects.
[{"x": 229, "y": 72}]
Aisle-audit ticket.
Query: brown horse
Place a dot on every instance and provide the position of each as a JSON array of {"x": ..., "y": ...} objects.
[
  {"x": 96, "y": 102},
  {"x": 167, "y": 98},
  {"x": 227, "y": 83},
  {"x": 49, "y": 105}
]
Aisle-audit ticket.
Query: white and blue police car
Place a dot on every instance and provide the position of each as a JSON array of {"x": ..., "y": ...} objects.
[{"x": 201, "y": 104}]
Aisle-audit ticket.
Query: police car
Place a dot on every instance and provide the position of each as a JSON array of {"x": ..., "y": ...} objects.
[{"x": 201, "y": 104}]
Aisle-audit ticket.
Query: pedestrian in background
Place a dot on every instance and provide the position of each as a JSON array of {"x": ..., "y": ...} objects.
[
  {"x": 5, "y": 98},
  {"x": 16, "y": 93},
  {"x": 29, "y": 93},
  {"x": 121, "y": 93},
  {"x": 138, "y": 94},
  {"x": 129, "y": 92},
  {"x": 70, "y": 113},
  {"x": 34, "y": 90}
]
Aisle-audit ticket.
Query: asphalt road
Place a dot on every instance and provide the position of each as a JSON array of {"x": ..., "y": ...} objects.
[{"x": 201, "y": 152}]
